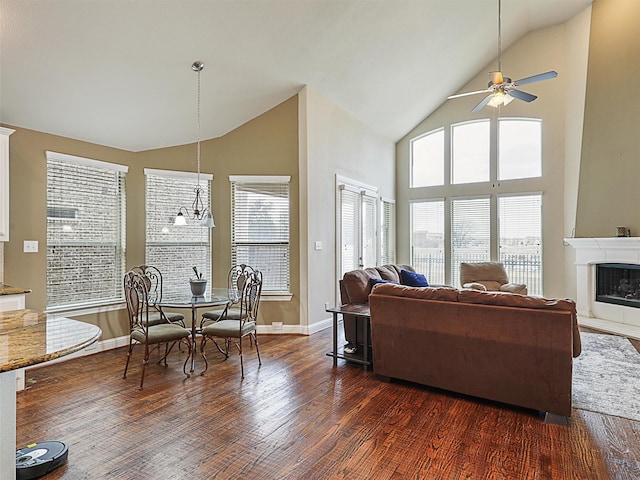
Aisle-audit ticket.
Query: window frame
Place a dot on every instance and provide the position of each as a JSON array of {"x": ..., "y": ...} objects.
[
  {"x": 275, "y": 295},
  {"x": 119, "y": 260},
  {"x": 493, "y": 188},
  {"x": 181, "y": 277}
]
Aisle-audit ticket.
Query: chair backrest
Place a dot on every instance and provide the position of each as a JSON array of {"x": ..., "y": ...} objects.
[
  {"x": 136, "y": 293},
  {"x": 238, "y": 277},
  {"x": 251, "y": 296},
  {"x": 490, "y": 274},
  {"x": 153, "y": 279}
]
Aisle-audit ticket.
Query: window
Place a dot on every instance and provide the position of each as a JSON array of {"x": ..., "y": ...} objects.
[
  {"x": 470, "y": 233},
  {"x": 492, "y": 205},
  {"x": 427, "y": 239},
  {"x": 85, "y": 231},
  {"x": 520, "y": 219},
  {"x": 175, "y": 250},
  {"x": 470, "y": 152},
  {"x": 427, "y": 160},
  {"x": 387, "y": 232},
  {"x": 519, "y": 148},
  {"x": 260, "y": 228},
  {"x": 358, "y": 226}
]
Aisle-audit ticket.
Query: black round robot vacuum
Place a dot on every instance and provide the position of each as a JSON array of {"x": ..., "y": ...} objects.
[{"x": 38, "y": 459}]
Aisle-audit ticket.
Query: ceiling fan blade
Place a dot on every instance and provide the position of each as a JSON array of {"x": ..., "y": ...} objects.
[
  {"x": 527, "y": 97},
  {"x": 496, "y": 78},
  {"x": 481, "y": 105},
  {"x": 468, "y": 93},
  {"x": 536, "y": 78}
]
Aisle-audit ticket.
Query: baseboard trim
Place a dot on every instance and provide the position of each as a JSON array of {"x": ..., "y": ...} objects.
[{"x": 111, "y": 343}]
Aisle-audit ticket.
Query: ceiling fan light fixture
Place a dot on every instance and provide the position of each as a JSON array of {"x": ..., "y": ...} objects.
[
  {"x": 500, "y": 98},
  {"x": 500, "y": 89}
]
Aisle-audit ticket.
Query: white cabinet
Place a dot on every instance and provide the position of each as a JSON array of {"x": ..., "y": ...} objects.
[
  {"x": 14, "y": 302},
  {"x": 4, "y": 183}
]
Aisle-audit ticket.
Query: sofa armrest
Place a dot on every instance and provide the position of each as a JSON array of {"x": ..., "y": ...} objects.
[
  {"x": 475, "y": 286},
  {"x": 514, "y": 288}
]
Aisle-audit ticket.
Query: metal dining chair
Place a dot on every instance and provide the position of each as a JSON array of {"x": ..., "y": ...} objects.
[
  {"x": 142, "y": 331},
  {"x": 154, "y": 288},
  {"x": 237, "y": 278},
  {"x": 238, "y": 321}
]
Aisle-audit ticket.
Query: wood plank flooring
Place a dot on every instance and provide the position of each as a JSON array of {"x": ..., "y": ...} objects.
[{"x": 297, "y": 417}]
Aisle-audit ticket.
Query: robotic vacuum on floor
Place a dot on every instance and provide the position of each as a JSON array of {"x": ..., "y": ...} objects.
[{"x": 38, "y": 459}]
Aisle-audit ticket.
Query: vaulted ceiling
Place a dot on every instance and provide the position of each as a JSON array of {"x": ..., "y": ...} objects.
[{"x": 118, "y": 73}]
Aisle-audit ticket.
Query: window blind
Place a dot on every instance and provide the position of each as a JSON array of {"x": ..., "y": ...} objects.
[
  {"x": 175, "y": 249},
  {"x": 387, "y": 232},
  {"x": 520, "y": 243},
  {"x": 349, "y": 230},
  {"x": 85, "y": 231},
  {"x": 470, "y": 233},
  {"x": 260, "y": 230},
  {"x": 369, "y": 230},
  {"x": 427, "y": 239}
]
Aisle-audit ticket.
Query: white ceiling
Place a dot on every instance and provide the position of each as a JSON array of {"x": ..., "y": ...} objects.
[{"x": 118, "y": 73}]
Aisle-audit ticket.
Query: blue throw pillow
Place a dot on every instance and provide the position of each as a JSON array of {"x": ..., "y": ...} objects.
[
  {"x": 413, "y": 279},
  {"x": 374, "y": 281}
]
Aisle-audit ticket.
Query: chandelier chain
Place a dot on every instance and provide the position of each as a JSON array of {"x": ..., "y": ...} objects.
[{"x": 198, "y": 142}]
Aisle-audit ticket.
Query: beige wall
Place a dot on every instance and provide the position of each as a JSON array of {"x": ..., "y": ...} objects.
[
  {"x": 335, "y": 143},
  {"x": 610, "y": 167},
  {"x": 537, "y": 52},
  {"x": 267, "y": 145}
]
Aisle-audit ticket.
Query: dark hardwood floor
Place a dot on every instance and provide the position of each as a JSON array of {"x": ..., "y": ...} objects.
[{"x": 297, "y": 417}]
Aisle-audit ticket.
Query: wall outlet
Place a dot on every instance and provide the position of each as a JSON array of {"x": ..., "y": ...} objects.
[{"x": 30, "y": 246}]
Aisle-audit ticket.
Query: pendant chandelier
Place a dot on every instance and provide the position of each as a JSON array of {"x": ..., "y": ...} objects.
[{"x": 200, "y": 213}]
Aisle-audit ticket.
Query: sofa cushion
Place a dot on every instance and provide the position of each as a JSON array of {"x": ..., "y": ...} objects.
[
  {"x": 506, "y": 299},
  {"x": 413, "y": 279},
  {"x": 356, "y": 285},
  {"x": 388, "y": 272},
  {"x": 448, "y": 294}
]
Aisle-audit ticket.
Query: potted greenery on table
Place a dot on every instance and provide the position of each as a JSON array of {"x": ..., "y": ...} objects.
[{"x": 198, "y": 284}]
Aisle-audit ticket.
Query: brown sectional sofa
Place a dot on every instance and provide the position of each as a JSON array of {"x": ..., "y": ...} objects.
[
  {"x": 503, "y": 347},
  {"x": 355, "y": 288}
]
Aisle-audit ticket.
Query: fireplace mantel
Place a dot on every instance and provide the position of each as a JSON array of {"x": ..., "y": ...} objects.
[{"x": 618, "y": 319}]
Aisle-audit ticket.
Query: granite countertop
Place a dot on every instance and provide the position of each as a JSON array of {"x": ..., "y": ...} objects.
[
  {"x": 9, "y": 290},
  {"x": 28, "y": 337}
]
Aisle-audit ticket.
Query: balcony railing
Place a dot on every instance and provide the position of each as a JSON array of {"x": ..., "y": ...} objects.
[{"x": 523, "y": 268}]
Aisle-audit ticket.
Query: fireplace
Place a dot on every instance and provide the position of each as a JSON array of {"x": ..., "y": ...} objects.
[
  {"x": 618, "y": 283},
  {"x": 608, "y": 283}
]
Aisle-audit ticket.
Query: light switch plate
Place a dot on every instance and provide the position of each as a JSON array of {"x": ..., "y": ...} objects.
[
  {"x": 30, "y": 246},
  {"x": 318, "y": 245}
]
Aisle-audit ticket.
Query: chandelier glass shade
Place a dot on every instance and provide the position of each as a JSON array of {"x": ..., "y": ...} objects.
[{"x": 199, "y": 212}]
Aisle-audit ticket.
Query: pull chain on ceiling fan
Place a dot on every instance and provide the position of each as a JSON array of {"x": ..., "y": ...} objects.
[{"x": 502, "y": 89}]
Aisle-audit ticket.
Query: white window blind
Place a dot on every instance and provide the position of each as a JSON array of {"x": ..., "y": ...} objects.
[
  {"x": 520, "y": 220},
  {"x": 175, "y": 249},
  {"x": 85, "y": 231},
  {"x": 427, "y": 239},
  {"x": 369, "y": 230},
  {"x": 470, "y": 233},
  {"x": 349, "y": 230},
  {"x": 260, "y": 228},
  {"x": 359, "y": 225},
  {"x": 387, "y": 232}
]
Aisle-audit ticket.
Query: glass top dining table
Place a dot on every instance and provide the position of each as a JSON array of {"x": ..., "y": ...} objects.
[{"x": 213, "y": 297}]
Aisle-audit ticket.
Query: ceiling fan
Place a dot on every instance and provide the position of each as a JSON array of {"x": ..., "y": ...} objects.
[{"x": 501, "y": 90}]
